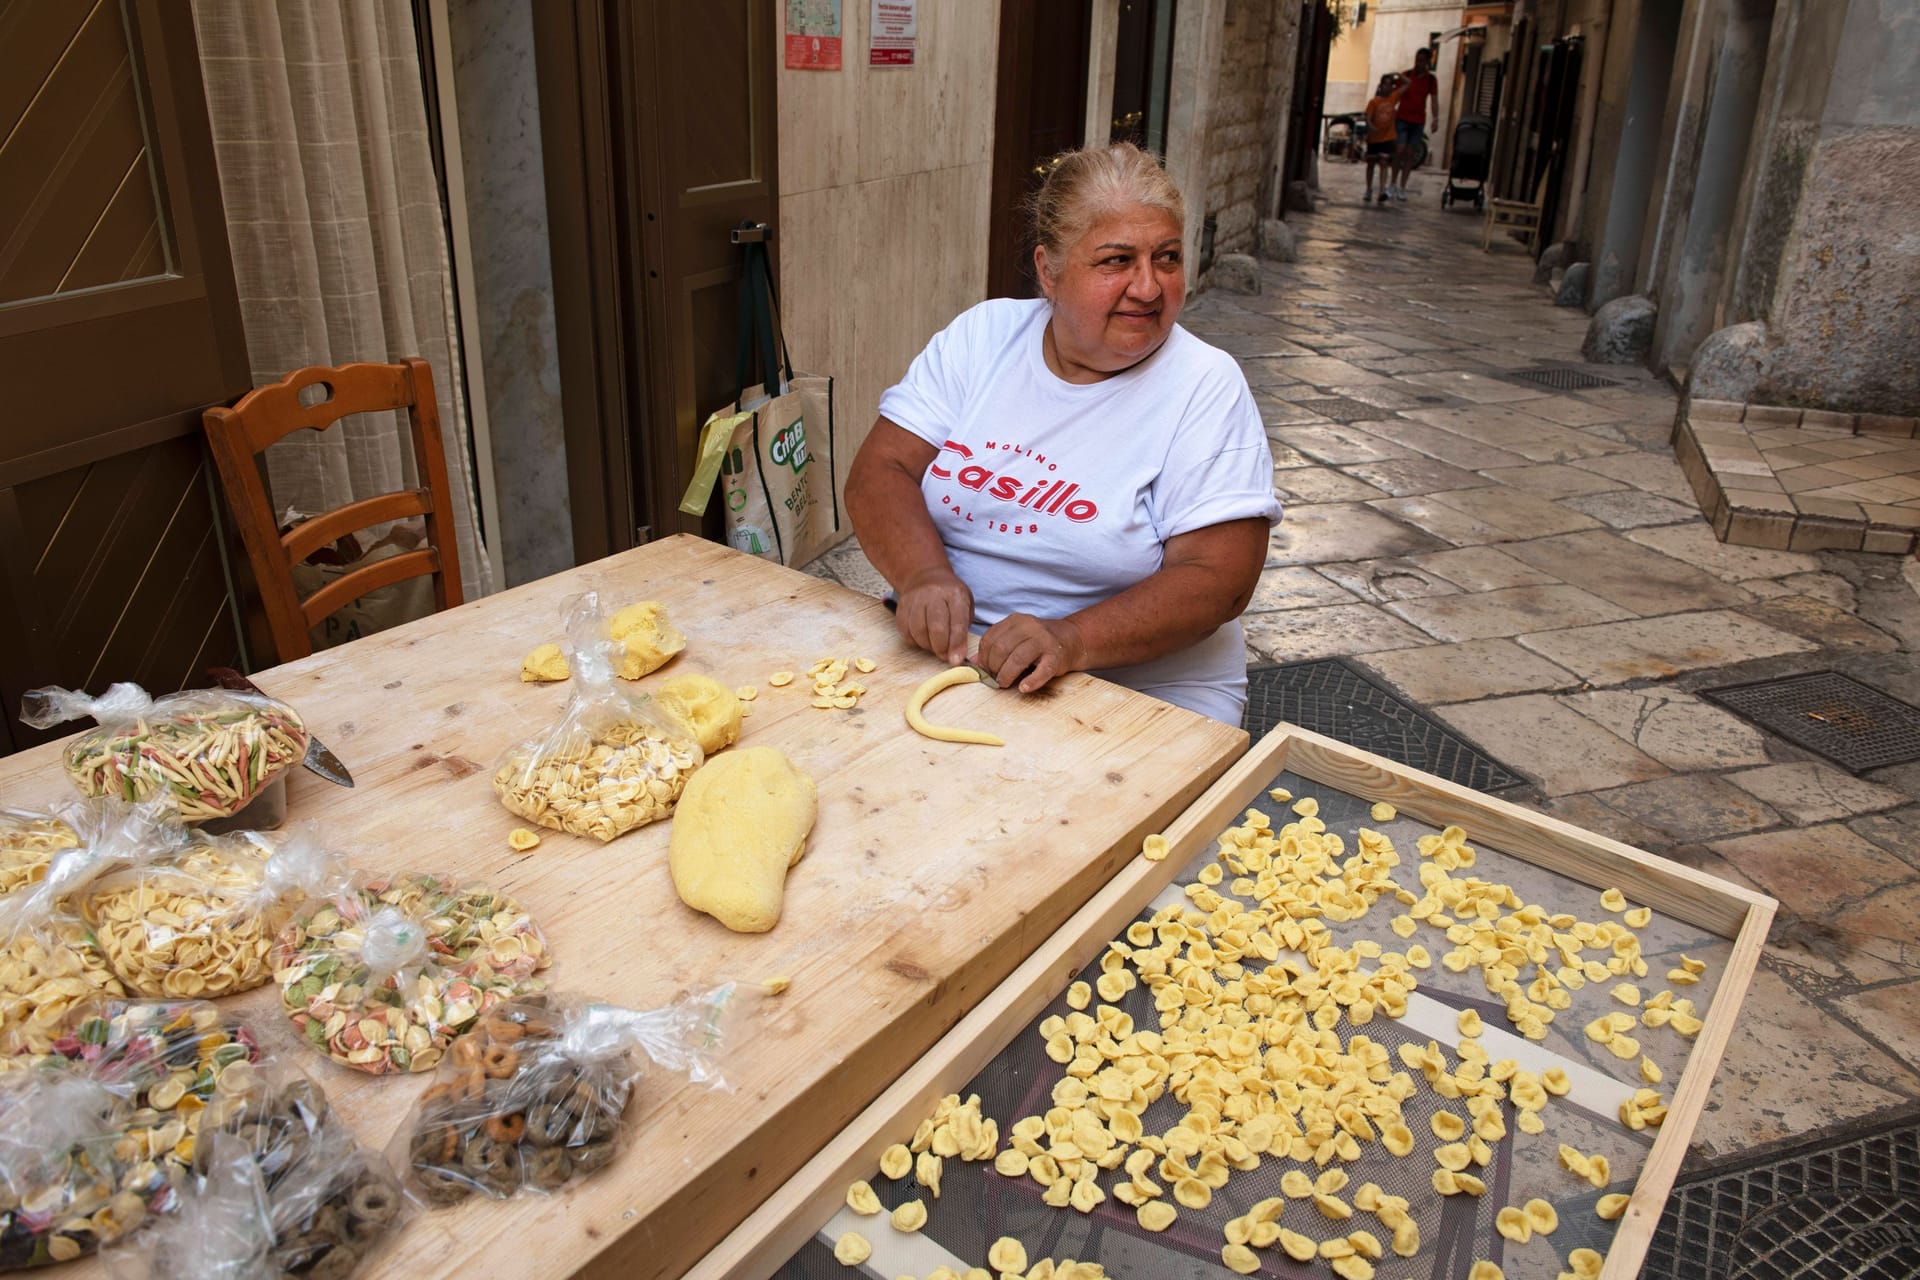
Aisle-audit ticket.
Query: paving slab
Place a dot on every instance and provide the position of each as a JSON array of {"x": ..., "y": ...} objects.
[
  {"x": 1332, "y": 631},
  {"x": 1679, "y": 730},
  {"x": 1653, "y": 472},
  {"x": 1504, "y": 428},
  {"x": 1571, "y": 411},
  {"x": 1337, "y": 444},
  {"x": 1886, "y": 1015},
  {"x": 1591, "y": 814},
  {"x": 1522, "y": 515},
  {"x": 1378, "y": 581},
  {"x": 1818, "y": 620},
  {"x": 1691, "y": 808},
  {"x": 1887, "y": 914},
  {"x": 1448, "y": 523},
  {"x": 1650, "y": 648},
  {"x": 1483, "y": 569},
  {"x": 1321, "y": 484},
  {"x": 1511, "y": 611},
  {"x": 1631, "y": 508},
  {"x": 1552, "y": 744},
  {"x": 1695, "y": 544},
  {"x": 1817, "y": 871},
  {"x": 1473, "y": 386},
  {"x": 1336, "y": 531},
  {"x": 1897, "y": 830},
  {"x": 1783, "y": 1036},
  {"x": 1286, "y": 457},
  {"x": 1634, "y": 577},
  {"x": 1554, "y": 480},
  {"x": 1295, "y": 587},
  {"x": 1448, "y": 446},
  {"x": 1324, "y": 371},
  {"x": 1403, "y": 477},
  {"x": 1807, "y": 791},
  {"x": 1467, "y": 671}
]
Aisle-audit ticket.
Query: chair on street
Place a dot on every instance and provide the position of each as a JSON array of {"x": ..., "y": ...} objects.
[
  {"x": 315, "y": 398},
  {"x": 1516, "y": 215}
]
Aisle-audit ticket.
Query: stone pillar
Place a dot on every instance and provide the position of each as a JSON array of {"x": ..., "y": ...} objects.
[
  {"x": 1616, "y": 252},
  {"x": 1695, "y": 277}
]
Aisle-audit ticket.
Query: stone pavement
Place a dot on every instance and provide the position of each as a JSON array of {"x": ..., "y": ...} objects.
[{"x": 1529, "y": 566}]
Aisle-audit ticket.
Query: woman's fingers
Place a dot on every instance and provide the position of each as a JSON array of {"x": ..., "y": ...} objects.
[
  {"x": 1026, "y": 652},
  {"x": 935, "y": 616}
]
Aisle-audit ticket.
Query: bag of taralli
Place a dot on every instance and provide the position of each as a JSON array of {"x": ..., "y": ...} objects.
[
  {"x": 383, "y": 975},
  {"x": 200, "y": 919},
  {"x": 322, "y": 1216},
  {"x": 51, "y": 962},
  {"x": 612, "y": 762},
  {"x": 532, "y": 1099},
  {"x": 211, "y": 751}
]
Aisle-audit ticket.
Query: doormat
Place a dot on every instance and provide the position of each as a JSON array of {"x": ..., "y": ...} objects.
[
  {"x": 1329, "y": 697},
  {"x": 1845, "y": 1206},
  {"x": 1852, "y": 724}
]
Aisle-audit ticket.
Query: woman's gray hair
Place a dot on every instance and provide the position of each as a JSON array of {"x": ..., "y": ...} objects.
[{"x": 1090, "y": 183}]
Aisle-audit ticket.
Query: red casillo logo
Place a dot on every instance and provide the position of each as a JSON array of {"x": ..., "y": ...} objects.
[{"x": 1050, "y": 497}]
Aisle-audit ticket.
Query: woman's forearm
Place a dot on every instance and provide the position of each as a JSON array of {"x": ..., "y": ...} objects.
[
  {"x": 1178, "y": 606},
  {"x": 890, "y": 515}
]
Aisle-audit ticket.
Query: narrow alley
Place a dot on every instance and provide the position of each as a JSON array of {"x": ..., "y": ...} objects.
[{"x": 1530, "y": 566}]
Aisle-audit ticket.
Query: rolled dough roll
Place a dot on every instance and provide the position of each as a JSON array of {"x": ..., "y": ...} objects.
[{"x": 741, "y": 823}]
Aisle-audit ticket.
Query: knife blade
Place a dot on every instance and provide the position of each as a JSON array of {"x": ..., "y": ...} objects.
[{"x": 318, "y": 759}]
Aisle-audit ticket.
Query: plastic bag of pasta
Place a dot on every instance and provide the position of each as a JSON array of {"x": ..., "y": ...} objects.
[
  {"x": 384, "y": 974},
  {"x": 28, "y": 841},
  {"x": 323, "y": 1216},
  {"x": 200, "y": 919},
  {"x": 612, "y": 762},
  {"x": 63, "y": 1189},
  {"x": 211, "y": 751},
  {"x": 50, "y": 961},
  {"x": 532, "y": 1098}
]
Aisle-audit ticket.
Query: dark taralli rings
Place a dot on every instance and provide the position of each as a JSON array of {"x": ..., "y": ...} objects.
[{"x": 508, "y": 1128}]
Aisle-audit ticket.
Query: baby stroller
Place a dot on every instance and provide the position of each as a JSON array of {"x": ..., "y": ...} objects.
[{"x": 1472, "y": 150}]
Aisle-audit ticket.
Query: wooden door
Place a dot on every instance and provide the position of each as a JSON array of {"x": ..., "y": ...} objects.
[
  {"x": 1142, "y": 73},
  {"x": 1040, "y": 111},
  {"x": 657, "y": 124},
  {"x": 118, "y": 325}
]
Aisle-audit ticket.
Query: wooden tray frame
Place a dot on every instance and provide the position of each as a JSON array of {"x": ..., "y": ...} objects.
[{"x": 792, "y": 1214}]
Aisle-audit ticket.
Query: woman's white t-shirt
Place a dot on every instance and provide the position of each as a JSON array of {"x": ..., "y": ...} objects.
[{"x": 1052, "y": 496}]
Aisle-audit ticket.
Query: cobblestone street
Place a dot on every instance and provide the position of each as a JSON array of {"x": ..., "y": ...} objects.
[{"x": 1529, "y": 565}]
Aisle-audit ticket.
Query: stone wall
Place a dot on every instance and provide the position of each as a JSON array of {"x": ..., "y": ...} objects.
[{"x": 1239, "y": 138}]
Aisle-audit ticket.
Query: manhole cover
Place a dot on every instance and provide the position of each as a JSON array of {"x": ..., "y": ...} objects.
[
  {"x": 1835, "y": 1206},
  {"x": 1329, "y": 697},
  {"x": 1854, "y": 1233},
  {"x": 1856, "y": 727},
  {"x": 1563, "y": 379},
  {"x": 1341, "y": 409}
]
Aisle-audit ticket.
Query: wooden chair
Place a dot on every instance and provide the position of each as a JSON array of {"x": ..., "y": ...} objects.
[
  {"x": 238, "y": 436},
  {"x": 1517, "y": 215}
]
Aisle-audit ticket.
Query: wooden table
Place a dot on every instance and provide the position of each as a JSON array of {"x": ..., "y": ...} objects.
[{"x": 934, "y": 870}]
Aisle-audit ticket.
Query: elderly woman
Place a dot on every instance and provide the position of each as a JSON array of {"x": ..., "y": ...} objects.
[{"x": 1076, "y": 474}]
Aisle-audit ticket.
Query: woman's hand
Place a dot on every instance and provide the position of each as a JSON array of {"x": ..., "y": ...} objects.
[
  {"x": 1041, "y": 647},
  {"x": 935, "y": 611}
]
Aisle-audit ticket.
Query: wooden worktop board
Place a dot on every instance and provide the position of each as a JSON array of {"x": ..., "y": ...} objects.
[{"x": 933, "y": 871}]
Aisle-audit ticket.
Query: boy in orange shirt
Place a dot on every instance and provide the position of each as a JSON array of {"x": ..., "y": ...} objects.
[{"x": 1381, "y": 111}]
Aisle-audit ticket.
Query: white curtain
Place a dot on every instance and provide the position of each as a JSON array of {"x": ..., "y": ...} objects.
[{"x": 335, "y": 226}]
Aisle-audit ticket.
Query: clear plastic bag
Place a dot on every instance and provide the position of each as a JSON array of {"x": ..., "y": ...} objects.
[
  {"x": 612, "y": 762},
  {"x": 211, "y": 751},
  {"x": 63, "y": 1192},
  {"x": 316, "y": 1207},
  {"x": 28, "y": 841},
  {"x": 532, "y": 1098},
  {"x": 50, "y": 961},
  {"x": 201, "y": 919},
  {"x": 382, "y": 976}
]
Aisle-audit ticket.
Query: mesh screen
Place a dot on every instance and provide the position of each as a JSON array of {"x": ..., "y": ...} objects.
[{"x": 977, "y": 1205}]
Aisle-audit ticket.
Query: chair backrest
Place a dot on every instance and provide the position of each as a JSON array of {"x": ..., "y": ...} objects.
[{"x": 266, "y": 414}]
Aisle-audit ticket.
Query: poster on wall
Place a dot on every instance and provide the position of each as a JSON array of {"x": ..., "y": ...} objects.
[
  {"x": 891, "y": 36},
  {"x": 813, "y": 35}
]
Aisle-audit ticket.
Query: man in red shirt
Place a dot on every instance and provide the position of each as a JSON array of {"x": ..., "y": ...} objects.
[{"x": 1418, "y": 101}]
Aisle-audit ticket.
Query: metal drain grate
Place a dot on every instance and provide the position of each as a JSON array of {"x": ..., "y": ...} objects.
[
  {"x": 1329, "y": 697},
  {"x": 1341, "y": 409},
  {"x": 1561, "y": 379},
  {"x": 1851, "y": 724},
  {"x": 1845, "y": 1207}
]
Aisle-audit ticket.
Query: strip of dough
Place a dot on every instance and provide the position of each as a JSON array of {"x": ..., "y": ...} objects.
[{"x": 941, "y": 733}]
